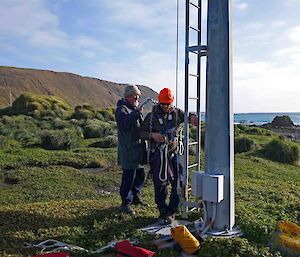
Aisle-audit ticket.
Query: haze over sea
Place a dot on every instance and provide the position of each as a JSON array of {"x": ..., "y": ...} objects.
[{"x": 261, "y": 118}]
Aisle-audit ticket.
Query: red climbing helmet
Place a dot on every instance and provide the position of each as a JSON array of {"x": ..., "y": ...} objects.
[{"x": 165, "y": 96}]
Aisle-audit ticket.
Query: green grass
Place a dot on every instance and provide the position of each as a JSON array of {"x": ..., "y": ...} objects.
[{"x": 72, "y": 196}]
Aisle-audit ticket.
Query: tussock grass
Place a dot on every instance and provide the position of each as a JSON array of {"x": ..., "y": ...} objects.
[
  {"x": 42, "y": 105},
  {"x": 281, "y": 151},
  {"x": 243, "y": 144},
  {"x": 72, "y": 195},
  {"x": 62, "y": 202}
]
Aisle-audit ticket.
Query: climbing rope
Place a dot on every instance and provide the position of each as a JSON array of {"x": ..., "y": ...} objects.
[
  {"x": 51, "y": 245},
  {"x": 163, "y": 169}
]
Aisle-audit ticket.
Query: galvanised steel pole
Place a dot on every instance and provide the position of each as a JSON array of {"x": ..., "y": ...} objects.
[{"x": 219, "y": 137}]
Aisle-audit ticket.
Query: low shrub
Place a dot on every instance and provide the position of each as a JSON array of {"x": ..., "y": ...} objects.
[
  {"x": 5, "y": 119},
  {"x": 281, "y": 151},
  {"x": 237, "y": 131},
  {"x": 241, "y": 127},
  {"x": 81, "y": 113},
  {"x": 45, "y": 125},
  {"x": 107, "y": 115},
  {"x": 268, "y": 133},
  {"x": 243, "y": 144},
  {"x": 99, "y": 116},
  {"x": 193, "y": 135},
  {"x": 18, "y": 122},
  {"x": 77, "y": 122},
  {"x": 89, "y": 108},
  {"x": 61, "y": 124},
  {"x": 36, "y": 114},
  {"x": 112, "y": 110},
  {"x": 48, "y": 113},
  {"x": 108, "y": 142},
  {"x": 5, "y": 111},
  {"x": 193, "y": 150},
  {"x": 60, "y": 139},
  {"x": 95, "y": 128},
  {"x": 3, "y": 142},
  {"x": 28, "y": 103},
  {"x": 27, "y": 137},
  {"x": 254, "y": 131}
]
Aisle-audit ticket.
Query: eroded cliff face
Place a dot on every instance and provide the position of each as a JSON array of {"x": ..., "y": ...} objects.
[{"x": 72, "y": 88}]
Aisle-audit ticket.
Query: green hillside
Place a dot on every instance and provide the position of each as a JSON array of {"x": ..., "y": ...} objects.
[{"x": 53, "y": 185}]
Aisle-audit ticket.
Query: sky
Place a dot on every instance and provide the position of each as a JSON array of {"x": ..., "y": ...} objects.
[{"x": 135, "y": 42}]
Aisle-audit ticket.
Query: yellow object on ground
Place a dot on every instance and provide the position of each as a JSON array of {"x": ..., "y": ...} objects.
[
  {"x": 185, "y": 239},
  {"x": 286, "y": 238}
]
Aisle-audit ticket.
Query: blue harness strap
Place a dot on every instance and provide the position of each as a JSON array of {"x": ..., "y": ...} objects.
[{"x": 165, "y": 129}]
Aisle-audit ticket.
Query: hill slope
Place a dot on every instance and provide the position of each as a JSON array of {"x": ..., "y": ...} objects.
[{"x": 73, "y": 88}]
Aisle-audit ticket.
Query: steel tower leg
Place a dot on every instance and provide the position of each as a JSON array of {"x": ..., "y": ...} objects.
[{"x": 219, "y": 137}]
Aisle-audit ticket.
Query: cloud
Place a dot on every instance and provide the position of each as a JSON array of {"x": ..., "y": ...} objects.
[
  {"x": 152, "y": 68},
  {"x": 240, "y": 5},
  {"x": 140, "y": 14},
  {"x": 21, "y": 17},
  {"x": 254, "y": 25},
  {"x": 246, "y": 70},
  {"x": 278, "y": 24},
  {"x": 56, "y": 39},
  {"x": 266, "y": 87},
  {"x": 31, "y": 21},
  {"x": 294, "y": 34}
]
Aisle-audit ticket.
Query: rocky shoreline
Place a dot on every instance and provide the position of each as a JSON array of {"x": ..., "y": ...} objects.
[
  {"x": 291, "y": 133},
  {"x": 284, "y": 126}
]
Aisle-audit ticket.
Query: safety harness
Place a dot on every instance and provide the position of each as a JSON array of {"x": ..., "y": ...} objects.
[{"x": 168, "y": 130}]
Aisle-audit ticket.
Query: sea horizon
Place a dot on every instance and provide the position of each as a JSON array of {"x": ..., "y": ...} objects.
[{"x": 260, "y": 118}]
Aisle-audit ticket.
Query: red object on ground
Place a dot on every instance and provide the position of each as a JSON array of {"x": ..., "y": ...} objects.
[
  {"x": 125, "y": 248},
  {"x": 61, "y": 254}
]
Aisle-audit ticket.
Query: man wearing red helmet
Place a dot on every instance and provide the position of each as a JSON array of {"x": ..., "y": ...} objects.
[{"x": 160, "y": 127}]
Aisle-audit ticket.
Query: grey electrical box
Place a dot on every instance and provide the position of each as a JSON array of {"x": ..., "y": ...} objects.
[
  {"x": 212, "y": 188},
  {"x": 197, "y": 177}
]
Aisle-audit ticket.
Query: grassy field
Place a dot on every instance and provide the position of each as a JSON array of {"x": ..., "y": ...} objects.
[{"x": 71, "y": 194}]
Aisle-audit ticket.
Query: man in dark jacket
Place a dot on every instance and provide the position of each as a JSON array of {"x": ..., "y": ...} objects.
[
  {"x": 131, "y": 149},
  {"x": 161, "y": 128}
]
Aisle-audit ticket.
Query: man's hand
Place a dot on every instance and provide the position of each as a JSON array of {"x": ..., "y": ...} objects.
[
  {"x": 140, "y": 109},
  {"x": 157, "y": 137}
]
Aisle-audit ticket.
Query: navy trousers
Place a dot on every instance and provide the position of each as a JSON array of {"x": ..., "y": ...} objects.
[
  {"x": 132, "y": 183},
  {"x": 161, "y": 187}
]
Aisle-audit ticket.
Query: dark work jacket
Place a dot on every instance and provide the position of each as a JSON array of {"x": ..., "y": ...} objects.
[
  {"x": 131, "y": 149},
  {"x": 177, "y": 119}
]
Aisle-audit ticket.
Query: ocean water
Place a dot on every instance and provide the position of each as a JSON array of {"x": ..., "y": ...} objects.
[{"x": 261, "y": 118}]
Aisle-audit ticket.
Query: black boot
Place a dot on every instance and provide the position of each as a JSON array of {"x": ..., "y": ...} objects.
[
  {"x": 126, "y": 208},
  {"x": 162, "y": 218},
  {"x": 138, "y": 201}
]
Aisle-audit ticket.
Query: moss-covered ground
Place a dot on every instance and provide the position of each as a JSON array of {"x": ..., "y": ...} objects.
[{"x": 72, "y": 195}]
